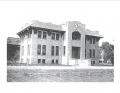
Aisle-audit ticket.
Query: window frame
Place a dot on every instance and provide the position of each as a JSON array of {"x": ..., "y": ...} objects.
[
  {"x": 52, "y": 36},
  {"x": 43, "y": 34},
  {"x": 57, "y": 38},
  {"x": 57, "y": 50},
  {"x": 52, "y": 50},
  {"x": 39, "y": 34},
  {"x": 39, "y": 49},
  {"x": 43, "y": 50}
]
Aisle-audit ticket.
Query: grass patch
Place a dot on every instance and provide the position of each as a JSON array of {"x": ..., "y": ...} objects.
[{"x": 67, "y": 75}]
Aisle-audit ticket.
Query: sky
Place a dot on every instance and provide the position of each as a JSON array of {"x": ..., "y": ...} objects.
[{"x": 99, "y": 16}]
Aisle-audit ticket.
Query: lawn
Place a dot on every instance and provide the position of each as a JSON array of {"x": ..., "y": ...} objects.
[{"x": 60, "y": 75}]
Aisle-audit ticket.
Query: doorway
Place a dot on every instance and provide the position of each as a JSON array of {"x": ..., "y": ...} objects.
[{"x": 76, "y": 52}]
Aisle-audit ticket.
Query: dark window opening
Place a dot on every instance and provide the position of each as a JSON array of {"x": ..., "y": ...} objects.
[
  {"x": 56, "y": 61},
  {"x": 52, "y": 61},
  {"x": 43, "y": 61},
  {"x": 90, "y": 53},
  {"x": 94, "y": 41},
  {"x": 39, "y": 34},
  {"x": 44, "y": 35},
  {"x": 35, "y": 32},
  {"x": 93, "y": 62},
  {"x": 52, "y": 50},
  {"x": 64, "y": 50},
  {"x": 57, "y": 50},
  {"x": 39, "y": 60},
  {"x": 44, "y": 50},
  {"x": 90, "y": 40},
  {"x": 53, "y": 36},
  {"x": 39, "y": 49},
  {"x": 57, "y": 36},
  {"x": 94, "y": 53},
  {"x": 76, "y": 35}
]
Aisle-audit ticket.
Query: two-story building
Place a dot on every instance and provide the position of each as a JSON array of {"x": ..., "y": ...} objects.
[{"x": 69, "y": 44}]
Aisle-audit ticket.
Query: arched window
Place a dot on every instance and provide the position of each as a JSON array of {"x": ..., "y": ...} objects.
[{"x": 76, "y": 35}]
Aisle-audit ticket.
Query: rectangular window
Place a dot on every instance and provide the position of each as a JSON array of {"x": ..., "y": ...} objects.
[
  {"x": 94, "y": 53},
  {"x": 35, "y": 32},
  {"x": 28, "y": 34},
  {"x": 39, "y": 49},
  {"x": 56, "y": 61},
  {"x": 52, "y": 50},
  {"x": 53, "y": 36},
  {"x": 28, "y": 52},
  {"x": 57, "y": 50},
  {"x": 39, "y": 34},
  {"x": 64, "y": 50},
  {"x": 22, "y": 50},
  {"x": 90, "y": 40},
  {"x": 52, "y": 61},
  {"x": 94, "y": 41},
  {"x": 43, "y": 61},
  {"x": 44, "y": 50},
  {"x": 39, "y": 60},
  {"x": 44, "y": 35},
  {"x": 57, "y": 36},
  {"x": 90, "y": 53}
]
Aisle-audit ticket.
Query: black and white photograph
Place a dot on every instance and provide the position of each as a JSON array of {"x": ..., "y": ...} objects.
[{"x": 54, "y": 42}]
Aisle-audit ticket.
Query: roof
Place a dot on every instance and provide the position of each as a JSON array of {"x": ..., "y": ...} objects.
[
  {"x": 93, "y": 33},
  {"x": 52, "y": 26},
  {"x": 47, "y": 25}
]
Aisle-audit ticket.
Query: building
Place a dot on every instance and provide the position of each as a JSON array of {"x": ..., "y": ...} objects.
[{"x": 69, "y": 44}]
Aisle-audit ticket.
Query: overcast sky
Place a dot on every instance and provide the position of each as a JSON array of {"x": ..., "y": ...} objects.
[{"x": 98, "y": 16}]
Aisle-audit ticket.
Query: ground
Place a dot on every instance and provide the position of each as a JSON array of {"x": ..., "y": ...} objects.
[{"x": 59, "y": 75}]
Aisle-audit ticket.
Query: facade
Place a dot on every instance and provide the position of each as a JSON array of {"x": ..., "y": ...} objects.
[{"x": 68, "y": 44}]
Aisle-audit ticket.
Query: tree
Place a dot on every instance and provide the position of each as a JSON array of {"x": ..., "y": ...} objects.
[{"x": 108, "y": 51}]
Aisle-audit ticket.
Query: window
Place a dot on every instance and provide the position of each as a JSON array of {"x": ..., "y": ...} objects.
[
  {"x": 44, "y": 50},
  {"x": 39, "y": 34},
  {"x": 53, "y": 36},
  {"x": 39, "y": 49},
  {"x": 94, "y": 53},
  {"x": 52, "y": 61},
  {"x": 30, "y": 31},
  {"x": 64, "y": 50},
  {"x": 52, "y": 50},
  {"x": 90, "y": 53},
  {"x": 90, "y": 40},
  {"x": 44, "y": 35},
  {"x": 43, "y": 61},
  {"x": 76, "y": 35},
  {"x": 39, "y": 60},
  {"x": 57, "y": 50},
  {"x": 93, "y": 62},
  {"x": 56, "y": 61},
  {"x": 28, "y": 34},
  {"x": 57, "y": 36},
  {"x": 22, "y": 50},
  {"x": 35, "y": 32},
  {"x": 28, "y": 52},
  {"x": 94, "y": 41}
]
